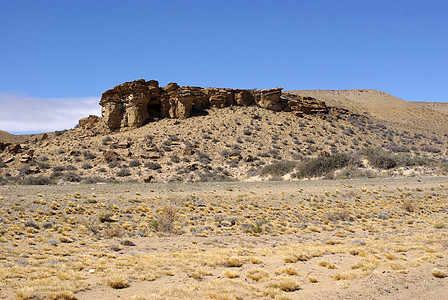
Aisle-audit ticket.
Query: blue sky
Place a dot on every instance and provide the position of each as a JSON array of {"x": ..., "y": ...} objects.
[{"x": 73, "y": 50}]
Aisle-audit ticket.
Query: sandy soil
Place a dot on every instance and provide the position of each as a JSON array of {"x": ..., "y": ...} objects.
[{"x": 343, "y": 239}]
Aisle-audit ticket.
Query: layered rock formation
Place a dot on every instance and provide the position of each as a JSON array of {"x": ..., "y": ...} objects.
[{"x": 132, "y": 104}]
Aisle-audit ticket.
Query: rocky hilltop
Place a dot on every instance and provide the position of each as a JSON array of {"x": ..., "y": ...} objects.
[{"x": 133, "y": 104}]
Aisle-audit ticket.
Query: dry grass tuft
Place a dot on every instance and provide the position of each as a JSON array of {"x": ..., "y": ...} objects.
[
  {"x": 231, "y": 274},
  {"x": 289, "y": 270},
  {"x": 233, "y": 262},
  {"x": 286, "y": 284},
  {"x": 117, "y": 281},
  {"x": 408, "y": 205},
  {"x": 295, "y": 257},
  {"x": 327, "y": 264},
  {"x": 257, "y": 274},
  {"x": 26, "y": 293},
  {"x": 438, "y": 273},
  {"x": 165, "y": 219}
]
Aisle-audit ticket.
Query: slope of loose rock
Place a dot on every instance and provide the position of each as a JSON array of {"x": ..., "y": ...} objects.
[
  {"x": 441, "y": 107},
  {"x": 386, "y": 108}
]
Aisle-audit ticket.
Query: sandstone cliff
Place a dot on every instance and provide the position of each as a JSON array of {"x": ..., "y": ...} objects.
[{"x": 133, "y": 104}]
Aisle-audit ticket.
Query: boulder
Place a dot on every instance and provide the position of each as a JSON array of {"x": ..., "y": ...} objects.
[
  {"x": 13, "y": 148},
  {"x": 153, "y": 155},
  {"x": 8, "y": 159},
  {"x": 269, "y": 99},
  {"x": 243, "y": 97},
  {"x": 171, "y": 87},
  {"x": 25, "y": 158},
  {"x": 124, "y": 144},
  {"x": 34, "y": 169},
  {"x": 220, "y": 98},
  {"x": 4, "y": 145},
  {"x": 110, "y": 156},
  {"x": 189, "y": 151},
  {"x": 148, "y": 178},
  {"x": 85, "y": 123},
  {"x": 181, "y": 104},
  {"x": 126, "y": 105}
]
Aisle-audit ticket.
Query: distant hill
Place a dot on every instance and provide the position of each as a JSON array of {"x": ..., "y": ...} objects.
[
  {"x": 386, "y": 108},
  {"x": 6, "y": 136},
  {"x": 441, "y": 107}
]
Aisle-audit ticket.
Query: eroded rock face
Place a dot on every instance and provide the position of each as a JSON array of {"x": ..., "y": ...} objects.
[
  {"x": 126, "y": 105},
  {"x": 269, "y": 99},
  {"x": 133, "y": 104}
]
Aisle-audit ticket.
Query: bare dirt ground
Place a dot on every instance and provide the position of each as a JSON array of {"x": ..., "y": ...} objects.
[{"x": 377, "y": 238}]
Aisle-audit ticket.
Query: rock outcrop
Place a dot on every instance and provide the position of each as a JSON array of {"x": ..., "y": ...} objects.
[{"x": 133, "y": 104}]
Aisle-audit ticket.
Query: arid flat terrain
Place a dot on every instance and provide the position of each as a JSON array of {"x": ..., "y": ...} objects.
[{"x": 335, "y": 239}]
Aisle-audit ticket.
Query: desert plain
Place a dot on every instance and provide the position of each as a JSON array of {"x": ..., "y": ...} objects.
[{"x": 334, "y": 239}]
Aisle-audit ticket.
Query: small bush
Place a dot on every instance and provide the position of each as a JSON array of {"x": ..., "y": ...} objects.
[
  {"x": 409, "y": 160},
  {"x": 58, "y": 168},
  {"x": 408, "y": 206},
  {"x": 134, "y": 163},
  {"x": 94, "y": 179},
  {"x": 175, "y": 159},
  {"x": 439, "y": 273},
  {"x": 71, "y": 168},
  {"x": 353, "y": 172},
  {"x": 88, "y": 155},
  {"x": 165, "y": 219},
  {"x": 36, "y": 180},
  {"x": 153, "y": 165},
  {"x": 431, "y": 149},
  {"x": 25, "y": 170},
  {"x": 321, "y": 166},
  {"x": 398, "y": 148},
  {"x": 278, "y": 169},
  {"x": 106, "y": 140},
  {"x": 118, "y": 281},
  {"x": 86, "y": 166},
  {"x": 285, "y": 284},
  {"x": 113, "y": 164},
  {"x": 342, "y": 215},
  {"x": 41, "y": 165},
  {"x": 123, "y": 172},
  {"x": 72, "y": 177},
  {"x": 380, "y": 158}
]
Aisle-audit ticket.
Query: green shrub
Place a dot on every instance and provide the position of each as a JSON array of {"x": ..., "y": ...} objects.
[
  {"x": 25, "y": 170},
  {"x": 134, "y": 163},
  {"x": 153, "y": 165},
  {"x": 410, "y": 160},
  {"x": 36, "y": 180},
  {"x": 123, "y": 172},
  {"x": 278, "y": 169},
  {"x": 321, "y": 166},
  {"x": 380, "y": 158},
  {"x": 72, "y": 177},
  {"x": 353, "y": 172}
]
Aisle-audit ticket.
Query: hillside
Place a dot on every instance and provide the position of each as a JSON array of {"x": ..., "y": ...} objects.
[
  {"x": 377, "y": 135},
  {"x": 388, "y": 109},
  {"x": 441, "y": 107}
]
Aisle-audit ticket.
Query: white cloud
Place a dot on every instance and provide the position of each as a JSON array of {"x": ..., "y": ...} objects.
[{"x": 23, "y": 114}]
